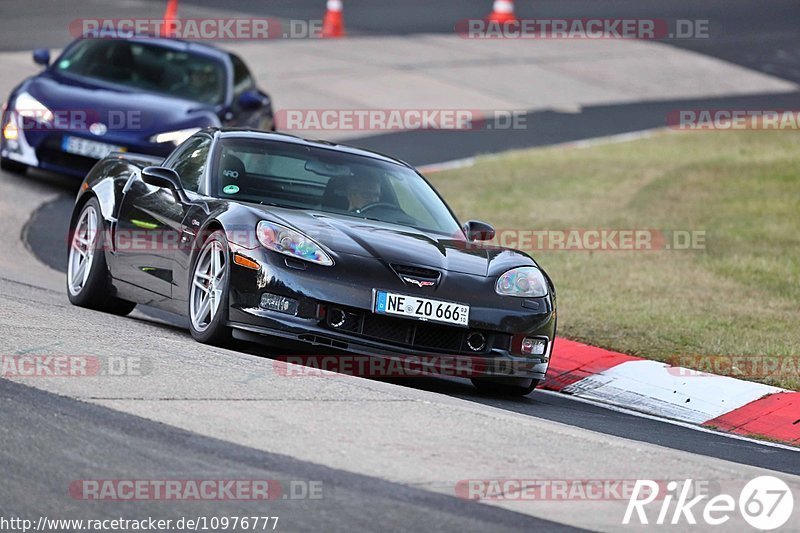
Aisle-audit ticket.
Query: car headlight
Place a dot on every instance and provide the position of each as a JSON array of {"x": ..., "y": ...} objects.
[
  {"x": 175, "y": 137},
  {"x": 29, "y": 107},
  {"x": 290, "y": 242},
  {"x": 523, "y": 281}
]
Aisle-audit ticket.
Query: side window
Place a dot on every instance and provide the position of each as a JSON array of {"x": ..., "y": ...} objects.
[
  {"x": 242, "y": 80},
  {"x": 190, "y": 162}
]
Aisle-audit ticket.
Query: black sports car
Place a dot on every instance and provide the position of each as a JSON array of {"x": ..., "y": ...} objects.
[{"x": 268, "y": 237}]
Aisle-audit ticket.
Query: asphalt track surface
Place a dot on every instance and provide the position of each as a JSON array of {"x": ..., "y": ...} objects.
[
  {"x": 107, "y": 444},
  {"x": 49, "y": 440},
  {"x": 759, "y": 35}
]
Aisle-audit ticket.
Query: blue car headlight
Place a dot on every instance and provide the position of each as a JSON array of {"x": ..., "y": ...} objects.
[
  {"x": 29, "y": 107},
  {"x": 523, "y": 281},
  {"x": 292, "y": 243}
]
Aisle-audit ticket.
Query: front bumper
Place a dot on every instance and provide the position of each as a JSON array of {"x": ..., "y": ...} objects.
[
  {"x": 43, "y": 147},
  {"x": 318, "y": 290},
  {"x": 311, "y": 339}
]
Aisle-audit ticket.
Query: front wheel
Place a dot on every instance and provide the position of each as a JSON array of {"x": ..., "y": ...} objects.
[
  {"x": 506, "y": 386},
  {"x": 208, "y": 292},
  {"x": 88, "y": 280}
]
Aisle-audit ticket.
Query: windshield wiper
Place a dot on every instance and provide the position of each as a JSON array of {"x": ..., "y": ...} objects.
[{"x": 272, "y": 204}]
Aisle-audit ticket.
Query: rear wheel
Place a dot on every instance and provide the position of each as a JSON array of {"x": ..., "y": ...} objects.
[
  {"x": 88, "y": 280},
  {"x": 506, "y": 386},
  {"x": 208, "y": 292},
  {"x": 12, "y": 166}
]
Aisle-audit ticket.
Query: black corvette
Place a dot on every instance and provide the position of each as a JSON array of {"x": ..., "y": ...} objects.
[{"x": 268, "y": 237}]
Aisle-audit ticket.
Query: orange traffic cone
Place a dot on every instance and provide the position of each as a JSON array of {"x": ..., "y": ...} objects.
[
  {"x": 168, "y": 28},
  {"x": 333, "y": 25},
  {"x": 502, "y": 11}
]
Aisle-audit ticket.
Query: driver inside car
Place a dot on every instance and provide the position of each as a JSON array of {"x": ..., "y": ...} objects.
[
  {"x": 200, "y": 83},
  {"x": 361, "y": 192}
]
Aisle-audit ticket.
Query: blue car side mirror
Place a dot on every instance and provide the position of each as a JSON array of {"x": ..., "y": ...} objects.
[
  {"x": 250, "y": 100},
  {"x": 41, "y": 56}
]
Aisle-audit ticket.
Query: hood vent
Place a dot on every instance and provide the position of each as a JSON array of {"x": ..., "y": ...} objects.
[{"x": 417, "y": 272}]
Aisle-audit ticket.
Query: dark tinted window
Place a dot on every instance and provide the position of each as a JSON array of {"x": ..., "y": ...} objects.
[
  {"x": 303, "y": 177},
  {"x": 147, "y": 67}
]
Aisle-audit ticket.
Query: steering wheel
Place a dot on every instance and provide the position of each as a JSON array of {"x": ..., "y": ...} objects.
[{"x": 373, "y": 205}]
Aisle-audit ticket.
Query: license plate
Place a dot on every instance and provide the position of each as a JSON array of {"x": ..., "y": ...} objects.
[
  {"x": 87, "y": 148},
  {"x": 390, "y": 303}
]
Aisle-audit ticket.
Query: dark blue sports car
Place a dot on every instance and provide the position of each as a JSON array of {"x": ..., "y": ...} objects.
[{"x": 143, "y": 94}]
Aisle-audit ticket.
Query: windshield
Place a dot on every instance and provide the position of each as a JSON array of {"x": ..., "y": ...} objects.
[
  {"x": 303, "y": 177},
  {"x": 147, "y": 67}
]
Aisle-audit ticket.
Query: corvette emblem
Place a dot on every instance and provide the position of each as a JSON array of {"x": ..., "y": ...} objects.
[{"x": 419, "y": 283}]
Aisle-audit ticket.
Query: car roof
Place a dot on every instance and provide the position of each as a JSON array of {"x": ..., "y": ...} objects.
[{"x": 245, "y": 133}]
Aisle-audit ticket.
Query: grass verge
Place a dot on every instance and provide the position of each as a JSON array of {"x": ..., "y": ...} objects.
[{"x": 732, "y": 307}]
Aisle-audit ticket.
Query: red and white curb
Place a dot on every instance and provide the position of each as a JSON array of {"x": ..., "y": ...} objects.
[{"x": 659, "y": 389}]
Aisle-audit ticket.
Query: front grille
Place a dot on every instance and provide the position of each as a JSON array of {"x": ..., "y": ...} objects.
[
  {"x": 403, "y": 332},
  {"x": 438, "y": 337},
  {"x": 387, "y": 329}
]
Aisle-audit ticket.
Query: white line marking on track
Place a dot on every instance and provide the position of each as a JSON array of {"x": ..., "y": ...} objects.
[{"x": 669, "y": 421}]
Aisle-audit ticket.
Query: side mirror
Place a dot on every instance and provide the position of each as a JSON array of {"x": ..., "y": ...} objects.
[
  {"x": 165, "y": 178},
  {"x": 250, "y": 100},
  {"x": 479, "y": 231},
  {"x": 41, "y": 56}
]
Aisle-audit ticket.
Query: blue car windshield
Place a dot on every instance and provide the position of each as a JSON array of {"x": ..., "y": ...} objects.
[
  {"x": 147, "y": 67},
  {"x": 305, "y": 177}
]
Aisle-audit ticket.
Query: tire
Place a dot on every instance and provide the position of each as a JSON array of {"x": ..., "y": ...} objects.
[
  {"x": 208, "y": 292},
  {"x": 505, "y": 386},
  {"x": 88, "y": 280},
  {"x": 12, "y": 166}
]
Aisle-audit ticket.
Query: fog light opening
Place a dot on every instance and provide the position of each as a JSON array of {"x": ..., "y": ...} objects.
[
  {"x": 337, "y": 317},
  {"x": 476, "y": 341},
  {"x": 534, "y": 346}
]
